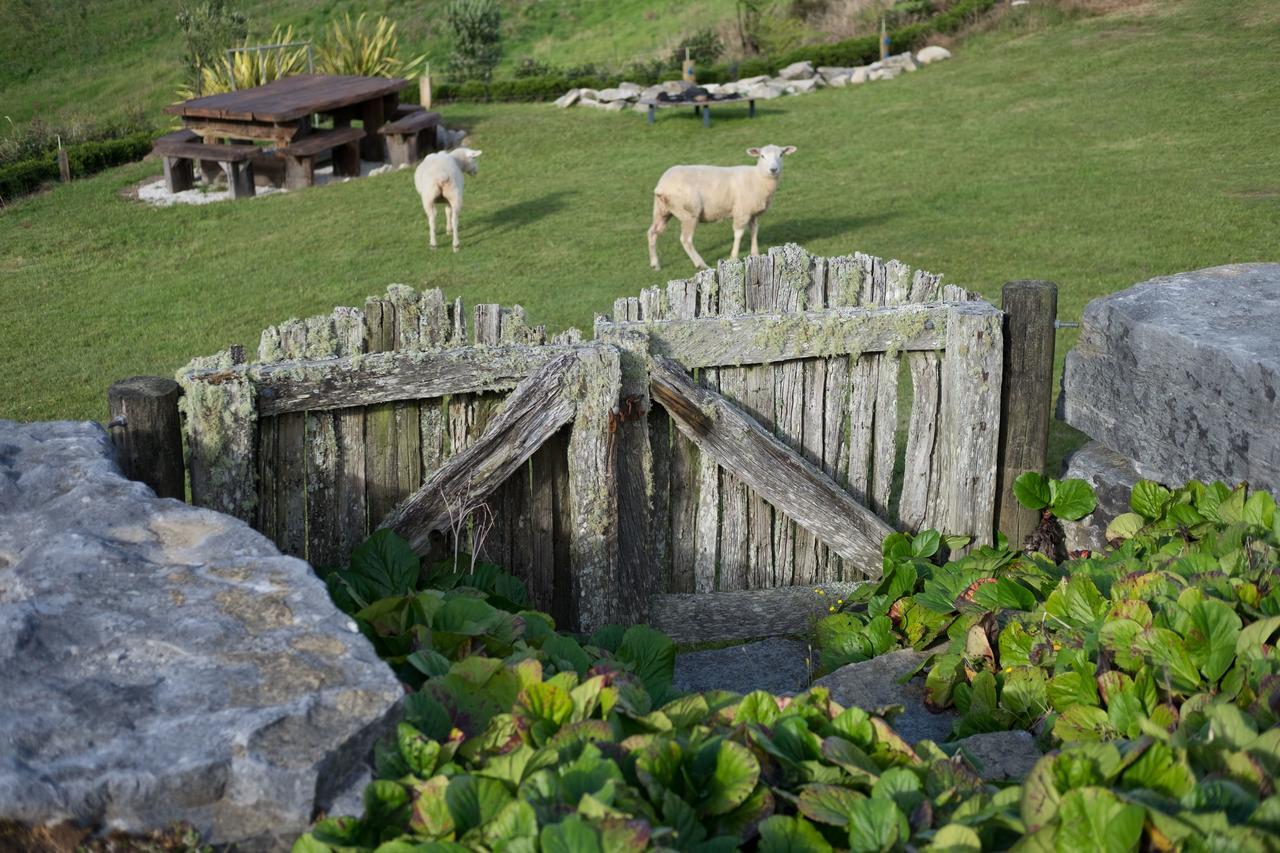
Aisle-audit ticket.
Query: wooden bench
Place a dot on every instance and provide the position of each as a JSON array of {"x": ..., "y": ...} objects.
[
  {"x": 300, "y": 156},
  {"x": 411, "y": 136},
  {"x": 181, "y": 148}
]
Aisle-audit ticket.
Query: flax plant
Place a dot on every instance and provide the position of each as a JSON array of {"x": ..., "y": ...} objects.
[
  {"x": 252, "y": 68},
  {"x": 366, "y": 48}
]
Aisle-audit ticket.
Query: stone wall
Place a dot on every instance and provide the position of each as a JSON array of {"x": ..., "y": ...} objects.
[{"x": 163, "y": 662}]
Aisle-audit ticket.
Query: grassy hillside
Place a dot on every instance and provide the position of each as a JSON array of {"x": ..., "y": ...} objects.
[
  {"x": 1096, "y": 153},
  {"x": 74, "y": 57}
]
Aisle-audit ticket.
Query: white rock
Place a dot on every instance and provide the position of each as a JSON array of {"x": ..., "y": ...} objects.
[
  {"x": 616, "y": 94},
  {"x": 858, "y": 76},
  {"x": 797, "y": 71},
  {"x": 673, "y": 87},
  {"x": 839, "y": 81},
  {"x": 901, "y": 61},
  {"x": 631, "y": 88},
  {"x": 763, "y": 92},
  {"x": 932, "y": 53},
  {"x": 748, "y": 82},
  {"x": 569, "y": 98},
  {"x": 712, "y": 88},
  {"x": 651, "y": 93},
  {"x": 589, "y": 94},
  {"x": 802, "y": 87}
]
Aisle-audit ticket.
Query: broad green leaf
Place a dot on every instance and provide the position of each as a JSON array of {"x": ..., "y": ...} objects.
[
  {"x": 1025, "y": 694},
  {"x": 1125, "y": 526},
  {"x": 1126, "y": 713},
  {"x": 1159, "y": 769},
  {"x": 781, "y": 834},
  {"x": 735, "y": 777},
  {"x": 1032, "y": 490},
  {"x": 427, "y": 715},
  {"x": 541, "y": 709},
  {"x": 1251, "y": 640},
  {"x": 516, "y": 820},
  {"x": 1015, "y": 645},
  {"x": 1076, "y": 602},
  {"x": 566, "y": 654},
  {"x": 1083, "y": 722},
  {"x": 571, "y": 835},
  {"x": 420, "y": 753},
  {"x": 384, "y": 565},
  {"x": 758, "y": 706},
  {"x": 386, "y": 803},
  {"x": 1072, "y": 499},
  {"x": 652, "y": 657},
  {"x": 1004, "y": 594},
  {"x": 474, "y": 801},
  {"x": 955, "y": 838},
  {"x": 829, "y": 804},
  {"x": 1149, "y": 499},
  {"x": 876, "y": 825},
  {"x": 1211, "y": 637},
  {"x": 853, "y": 760},
  {"x": 926, "y": 543},
  {"x": 1092, "y": 819},
  {"x": 429, "y": 662},
  {"x": 1040, "y": 797}
]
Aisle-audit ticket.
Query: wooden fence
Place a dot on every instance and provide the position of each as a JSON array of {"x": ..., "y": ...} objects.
[{"x": 724, "y": 444}]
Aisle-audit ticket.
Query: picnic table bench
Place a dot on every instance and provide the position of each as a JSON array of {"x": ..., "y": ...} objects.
[
  {"x": 410, "y": 136},
  {"x": 704, "y": 107},
  {"x": 182, "y": 148}
]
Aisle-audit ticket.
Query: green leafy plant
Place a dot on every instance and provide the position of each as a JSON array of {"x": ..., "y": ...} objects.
[
  {"x": 208, "y": 29},
  {"x": 476, "y": 27},
  {"x": 704, "y": 48},
  {"x": 246, "y": 69},
  {"x": 365, "y": 47}
]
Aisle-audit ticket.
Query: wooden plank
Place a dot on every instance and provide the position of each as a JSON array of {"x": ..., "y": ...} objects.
[
  {"x": 221, "y": 439},
  {"x": 487, "y": 324},
  {"x": 653, "y": 307},
  {"x": 541, "y": 556},
  {"x": 593, "y": 546},
  {"x": 1030, "y": 308},
  {"x": 971, "y": 377},
  {"x": 538, "y": 407},
  {"x": 321, "y": 437},
  {"x": 884, "y": 439},
  {"x": 682, "y": 304},
  {"x": 352, "y": 516},
  {"x": 811, "y": 555},
  {"x": 843, "y": 291},
  {"x": 920, "y": 473},
  {"x": 563, "y": 607},
  {"x": 735, "y": 536},
  {"x": 767, "y": 465},
  {"x": 791, "y": 272},
  {"x": 707, "y": 521},
  {"x": 385, "y": 377},
  {"x": 744, "y": 614},
  {"x": 759, "y": 402},
  {"x": 380, "y": 420},
  {"x": 266, "y": 520},
  {"x": 864, "y": 374},
  {"x": 146, "y": 431},
  {"x": 774, "y": 337},
  {"x": 291, "y": 457}
]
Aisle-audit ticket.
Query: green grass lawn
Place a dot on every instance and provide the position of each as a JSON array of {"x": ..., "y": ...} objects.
[{"x": 1097, "y": 152}]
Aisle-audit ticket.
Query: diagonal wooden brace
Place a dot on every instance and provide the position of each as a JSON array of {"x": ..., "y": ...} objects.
[{"x": 781, "y": 476}]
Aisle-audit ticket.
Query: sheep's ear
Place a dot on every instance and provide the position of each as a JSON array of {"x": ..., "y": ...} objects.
[
  {"x": 753, "y": 152},
  {"x": 475, "y": 153},
  {"x": 790, "y": 149}
]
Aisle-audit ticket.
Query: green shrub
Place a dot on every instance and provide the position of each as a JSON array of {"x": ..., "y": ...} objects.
[
  {"x": 208, "y": 29},
  {"x": 476, "y": 27},
  {"x": 704, "y": 47},
  {"x": 24, "y": 177}
]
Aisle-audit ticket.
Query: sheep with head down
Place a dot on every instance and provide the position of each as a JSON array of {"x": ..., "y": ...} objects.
[
  {"x": 696, "y": 194},
  {"x": 439, "y": 178}
]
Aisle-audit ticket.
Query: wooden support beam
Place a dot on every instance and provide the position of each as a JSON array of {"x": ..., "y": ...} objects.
[
  {"x": 222, "y": 437},
  {"x": 147, "y": 434},
  {"x": 794, "y": 486},
  {"x": 765, "y": 338},
  {"x": 744, "y": 614},
  {"x": 538, "y": 407},
  {"x": 385, "y": 377},
  {"x": 1030, "y": 308}
]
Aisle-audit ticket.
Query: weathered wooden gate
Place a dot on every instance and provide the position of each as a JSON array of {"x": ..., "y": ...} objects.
[{"x": 724, "y": 444}]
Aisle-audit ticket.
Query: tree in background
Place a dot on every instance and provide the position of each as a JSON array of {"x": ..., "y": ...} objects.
[
  {"x": 704, "y": 47},
  {"x": 208, "y": 29},
  {"x": 476, "y": 26}
]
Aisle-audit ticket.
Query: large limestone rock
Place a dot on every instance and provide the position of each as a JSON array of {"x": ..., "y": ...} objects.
[
  {"x": 163, "y": 662},
  {"x": 932, "y": 53},
  {"x": 1182, "y": 375},
  {"x": 569, "y": 98},
  {"x": 776, "y": 664},
  {"x": 797, "y": 71},
  {"x": 1001, "y": 756},
  {"x": 874, "y": 684}
]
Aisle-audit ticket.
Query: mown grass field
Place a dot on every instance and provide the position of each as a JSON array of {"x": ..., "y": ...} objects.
[{"x": 1096, "y": 152}]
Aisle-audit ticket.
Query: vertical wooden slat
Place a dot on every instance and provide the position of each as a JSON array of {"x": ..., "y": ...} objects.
[
  {"x": 791, "y": 266},
  {"x": 653, "y": 308},
  {"x": 921, "y": 480},
  {"x": 971, "y": 375},
  {"x": 735, "y": 537},
  {"x": 811, "y": 555},
  {"x": 707, "y": 525},
  {"x": 758, "y": 401},
  {"x": 266, "y": 522},
  {"x": 321, "y": 435},
  {"x": 562, "y": 606},
  {"x": 884, "y": 440},
  {"x": 291, "y": 457},
  {"x": 487, "y": 319},
  {"x": 593, "y": 490},
  {"x": 222, "y": 437},
  {"x": 408, "y": 420},
  {"x": 682, "y": 304},
  {"x": 380, "y": 420},
  {"x": 352, "y": 515},
  {"x": 843, "y": 283}
]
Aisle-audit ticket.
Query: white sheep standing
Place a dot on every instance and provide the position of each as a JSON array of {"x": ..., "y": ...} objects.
[
  {"x": 439, "y": 178},
  {"x": 696, "y": 194}
]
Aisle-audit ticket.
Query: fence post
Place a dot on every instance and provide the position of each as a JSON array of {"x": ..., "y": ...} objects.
[
  {"x": 1029, "y": 311},
  {"x": 146, "y": 432},
  {"x": 222, "y": 436}
]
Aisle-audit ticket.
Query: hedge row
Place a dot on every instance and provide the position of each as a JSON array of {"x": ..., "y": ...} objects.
[
  {"x": 850, "y": 52},
  {"x": 87, "y": 158}
]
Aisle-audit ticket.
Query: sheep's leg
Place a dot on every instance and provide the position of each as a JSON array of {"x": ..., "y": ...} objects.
[
  {"x": 686, "y": 239},
  {"x": 755, "y": 235},
  {"x": 455, "y": 207},
  {"x": 660, "y": 217},
  {"x": 739, "y": 228},
  {"x": 430, "y": 207}
]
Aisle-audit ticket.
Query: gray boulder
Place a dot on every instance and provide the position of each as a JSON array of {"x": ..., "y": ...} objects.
[
  {"x": 748, "y": 82},
  {"x": 797, "y": 71},
  {"x": 801, "y": 87},
  {"x": 569, "y": 98},
  {"x": 1181, "y": 374},
  {"x": 1001, "y": 756},
  {"x": 776, "y": 664},
  {"x": 932, "y": 53},
  {"x": 615, "y": 94},
  {"x": 859, "y": 76},
  {"x": 874, "y": 684},
  {"x": 764, "y": 91},
  {"x": 163, "y": 662}
]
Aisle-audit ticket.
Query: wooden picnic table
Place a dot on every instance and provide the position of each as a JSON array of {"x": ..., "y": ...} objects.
[
  {"x": 703, "y": 107},
  {"x": 281, "y": 111}
]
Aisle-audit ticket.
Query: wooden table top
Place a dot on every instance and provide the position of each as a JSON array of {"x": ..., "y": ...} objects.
[{"x": 289, "y": 98}]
